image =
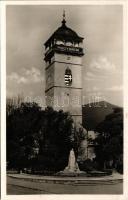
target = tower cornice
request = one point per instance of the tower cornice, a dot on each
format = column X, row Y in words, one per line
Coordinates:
column 63, row 49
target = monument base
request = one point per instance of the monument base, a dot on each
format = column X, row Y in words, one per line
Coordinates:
column 72, row 169
column 71, row 174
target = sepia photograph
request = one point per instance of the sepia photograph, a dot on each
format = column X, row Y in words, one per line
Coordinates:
column 64, row 99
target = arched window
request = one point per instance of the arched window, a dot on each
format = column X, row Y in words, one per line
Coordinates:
column 68, row 77
column 59, row 42
column 68, row 44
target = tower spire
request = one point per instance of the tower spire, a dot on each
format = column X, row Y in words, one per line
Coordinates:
column 63, row 21
column 63, row 14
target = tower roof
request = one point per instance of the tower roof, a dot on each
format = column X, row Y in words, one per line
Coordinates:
column 65, row 33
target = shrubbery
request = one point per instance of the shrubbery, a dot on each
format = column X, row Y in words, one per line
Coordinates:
column 38, row 139
column 109, row 143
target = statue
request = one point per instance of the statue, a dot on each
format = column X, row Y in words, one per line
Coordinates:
column 78, row 134
column 72, row 164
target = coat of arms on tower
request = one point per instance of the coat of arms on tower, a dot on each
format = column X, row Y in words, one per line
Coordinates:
column 68, row 77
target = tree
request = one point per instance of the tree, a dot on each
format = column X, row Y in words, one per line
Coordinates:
column 22, row 127
column 109, row 143
column 13, row 103
column 78, row 135
column 38, row 138
column 56, row 144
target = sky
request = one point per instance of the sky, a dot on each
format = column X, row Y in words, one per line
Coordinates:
column 29, row 26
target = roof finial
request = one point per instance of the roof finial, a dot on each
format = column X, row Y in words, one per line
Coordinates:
column 63, row 14
column 63, row 21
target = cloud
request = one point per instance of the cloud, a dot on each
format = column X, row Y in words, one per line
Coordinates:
column 15, row 77
column 115, row 88
column 33, row 74
column 103, row 64
column 93, row 89
column 90, row 76
column 100, row 69
column 26, row 76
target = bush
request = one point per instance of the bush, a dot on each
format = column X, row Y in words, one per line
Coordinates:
column 87, row 165
column 108, row 171
column 119, row 167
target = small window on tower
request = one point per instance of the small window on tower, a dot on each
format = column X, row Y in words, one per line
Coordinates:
column 68, row 58
column 68, row 77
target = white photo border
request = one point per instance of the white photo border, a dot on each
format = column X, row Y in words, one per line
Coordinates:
column 4, row 196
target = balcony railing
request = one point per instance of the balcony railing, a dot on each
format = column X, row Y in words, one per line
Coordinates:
column 65, row 49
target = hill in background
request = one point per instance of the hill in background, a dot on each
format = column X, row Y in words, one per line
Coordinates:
column 94, row 113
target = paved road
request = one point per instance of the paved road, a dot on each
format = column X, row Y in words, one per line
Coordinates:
column 11, row 189
column 16, row 186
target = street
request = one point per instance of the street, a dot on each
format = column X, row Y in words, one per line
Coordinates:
column 20, row 186
column 11, row 189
